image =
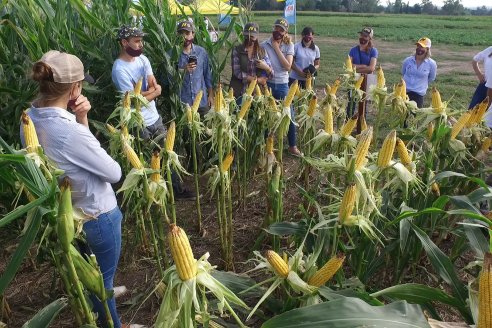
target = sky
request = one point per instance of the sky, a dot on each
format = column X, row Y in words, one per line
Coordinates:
column 473, row 4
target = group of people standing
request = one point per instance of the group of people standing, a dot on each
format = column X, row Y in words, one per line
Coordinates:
column 59, row 113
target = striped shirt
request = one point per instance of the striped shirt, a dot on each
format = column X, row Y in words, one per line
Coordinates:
column 75, row 150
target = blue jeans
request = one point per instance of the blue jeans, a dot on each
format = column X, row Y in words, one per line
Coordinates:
column 104, row 240
column 279, row 92
column 479, row 95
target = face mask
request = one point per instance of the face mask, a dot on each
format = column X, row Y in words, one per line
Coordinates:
column 363, row 41
column 187, row 42
column 307, row 39
column 420, row 52
column 277, row 35
column 133, row 52
column 71, row 102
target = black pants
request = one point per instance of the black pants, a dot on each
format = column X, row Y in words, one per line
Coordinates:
column 417, row 98
column 301, row 83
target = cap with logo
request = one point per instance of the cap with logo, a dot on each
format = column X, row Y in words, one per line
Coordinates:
column 185, row 25
column 282, row 22
column 368, row 31
column 424, row 42
column 66, row 68
column 251, row 29
column 126, row 32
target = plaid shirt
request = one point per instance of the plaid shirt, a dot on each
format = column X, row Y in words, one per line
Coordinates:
column 236, row 66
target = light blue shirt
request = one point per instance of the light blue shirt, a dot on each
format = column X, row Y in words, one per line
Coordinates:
column 303, row 57
column 418, row 78
column 126, row 74
column 281, row 75
column 74, row 149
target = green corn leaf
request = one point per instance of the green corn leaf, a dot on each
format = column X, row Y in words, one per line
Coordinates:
column 46, row 315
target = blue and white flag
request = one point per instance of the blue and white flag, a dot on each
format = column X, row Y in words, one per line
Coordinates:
column 290, row 11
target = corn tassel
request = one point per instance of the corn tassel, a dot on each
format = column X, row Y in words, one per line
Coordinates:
column 88, row 275
column 30, row 136
column 485, row 293
column 313, row 103
column 65, row 226
column 244, row 107
column 348, row 64
column 328, row 118
column 460, row 124
column 277, row 262
column 387, row 149
column 349, row 126
column 171, row 135
column 381, row 81
column 226, row 163
column 196, row 101
column 487, row 142
column 358, row 83
column 269, row 145
column 251, row 87
column 155, row 164
column 402, row 150
column 362, row 148
column 435, row 189
column 334, row 87
column 290, row 95
column 189, row 113
column 182, row 253
column 436, row 101
column 348, row 203
column 327, row 271
column 309, row 81
column 132, row 156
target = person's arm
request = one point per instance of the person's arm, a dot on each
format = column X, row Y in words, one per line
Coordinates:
column 478, row 72
column 80, row 110
column 432, row 72
column 236, row 65
column 317, row 57
column 285, row 61
column 297, row 69
column 207, row 77
column 154, row 89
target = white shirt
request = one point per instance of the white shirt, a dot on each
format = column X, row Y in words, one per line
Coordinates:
column 74, row 149
column 484, row 57
column 303, row 57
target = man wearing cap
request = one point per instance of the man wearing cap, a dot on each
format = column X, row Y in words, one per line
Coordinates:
column 280, row 50
column 249, row 61
column 194, row 61
column 418, row 71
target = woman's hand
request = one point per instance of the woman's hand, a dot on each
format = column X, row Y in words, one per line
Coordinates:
column 261, row 80
column 481, row 77
column 261, row 64
column 80, row 109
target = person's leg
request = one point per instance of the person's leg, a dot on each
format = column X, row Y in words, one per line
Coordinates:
column 291, row 80
column 103, row 237
column 302, row 84
column 419, row 100
column 479, row 95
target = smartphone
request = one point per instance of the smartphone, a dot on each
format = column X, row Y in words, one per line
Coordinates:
column 192, row 59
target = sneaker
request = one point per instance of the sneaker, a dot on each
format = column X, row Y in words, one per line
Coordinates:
column 294, row 151
column 185, row 195
column 119, row 291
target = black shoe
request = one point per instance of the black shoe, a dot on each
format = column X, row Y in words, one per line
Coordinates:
column 185, row 195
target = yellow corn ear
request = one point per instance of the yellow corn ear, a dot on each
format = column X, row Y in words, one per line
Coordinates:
column 155, row 164
column 485, row 293
column 313, row 103
column 290, row 95
column 473, row 117
column 430, row 130
column 30, row 136
column 171, row 135
column 358, row 83
column 482, row 108
column 277, row 262
column 219, row 99
column 348, row 64
column 251, row 87
column 403, row 88
column 266, row 91
column 258, row 91
column 64, row 225
column 189, row 113
column 460, row 124
column 334, row 87
column 309, row 81
column 245, row 106
column 349, row 126
column 111, row 128
column 138, row 87
column 487, row 142
column 436, row 101
column 127, row 102
column 403, row 153
column 230, row 94
column 269, row 144
column 226, row 163
column 196, row 101
column 327, row 89
column 124, row 132
column 88, row 275
column 435, row 189
column 387, row 149
column 381, row 81
column 363, row 123
column 132, row 156
column 328, row 270
column 182, row 253
column 328, row 118
column 348, row 202
column 362, row 148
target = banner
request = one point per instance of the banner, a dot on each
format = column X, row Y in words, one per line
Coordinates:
column 290, row 11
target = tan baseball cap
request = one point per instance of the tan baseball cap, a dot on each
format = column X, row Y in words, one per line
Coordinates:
column 424, row 42
column 66, row 68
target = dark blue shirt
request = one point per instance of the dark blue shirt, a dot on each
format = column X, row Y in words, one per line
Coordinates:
column 360, row 57
column 199, row 79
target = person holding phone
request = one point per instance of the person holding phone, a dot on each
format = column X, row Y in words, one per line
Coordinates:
column 306, row 58
column 249, row 61
column 194, row 62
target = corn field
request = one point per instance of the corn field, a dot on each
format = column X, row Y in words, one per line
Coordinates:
column 383, row 197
